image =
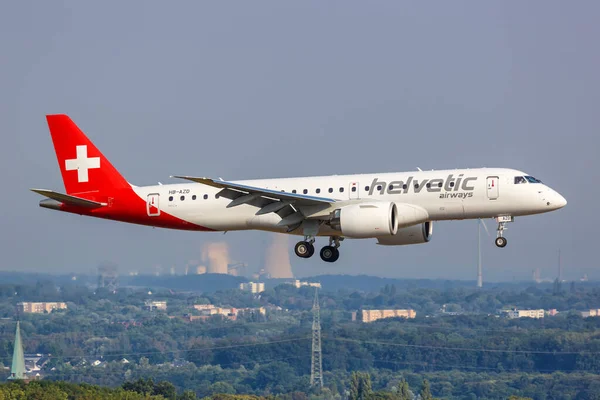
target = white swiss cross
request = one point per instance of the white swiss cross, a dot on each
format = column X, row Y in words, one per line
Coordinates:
column 82, row 164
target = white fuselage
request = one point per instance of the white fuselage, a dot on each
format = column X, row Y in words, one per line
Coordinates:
column 444, row 194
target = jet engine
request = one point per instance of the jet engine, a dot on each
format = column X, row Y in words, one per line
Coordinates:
column 420, row 233
column 366, row 220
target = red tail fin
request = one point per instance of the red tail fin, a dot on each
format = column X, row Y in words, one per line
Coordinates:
column 82, row 165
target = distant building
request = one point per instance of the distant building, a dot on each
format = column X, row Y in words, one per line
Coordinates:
column 40, row 308
column 253, row 287
column 17, row 370
column 552, row 312
column 155, row 305
column 231, row 313
column 374, row 315
column 35, row 362
column 591, row 313
column 298, row 284
column 203, row 306
column 525, row 313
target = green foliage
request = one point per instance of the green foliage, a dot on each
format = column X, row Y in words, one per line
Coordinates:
column 147, row 387
column 46, row 390
column 270, row 356
column 426, row 391
column 360, row 386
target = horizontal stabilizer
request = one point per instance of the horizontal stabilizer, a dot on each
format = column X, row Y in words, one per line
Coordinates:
column 68, row 199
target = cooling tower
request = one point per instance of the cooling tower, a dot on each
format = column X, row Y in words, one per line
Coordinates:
column 277, row 260
column 201, row 269
column 216, row 256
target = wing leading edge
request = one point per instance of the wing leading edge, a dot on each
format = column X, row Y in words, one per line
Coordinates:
column 286, row 205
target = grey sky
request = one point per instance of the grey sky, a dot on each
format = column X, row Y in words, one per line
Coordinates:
column 270, row 89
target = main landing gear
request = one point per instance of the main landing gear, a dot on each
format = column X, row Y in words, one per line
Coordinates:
column 305, row 248
column 330, row 253
column 500, row 239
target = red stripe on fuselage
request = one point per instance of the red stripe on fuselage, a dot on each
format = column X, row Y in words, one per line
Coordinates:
column 126, row 206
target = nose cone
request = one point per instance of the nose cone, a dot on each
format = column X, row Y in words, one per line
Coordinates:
column 560, row 201
column 555, row 201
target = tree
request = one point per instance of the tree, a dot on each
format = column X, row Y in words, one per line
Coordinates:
column 404, row 390
column 360, row 386
column 141, row 386
column 166, row 390
column 187, row 395
column 426, row 391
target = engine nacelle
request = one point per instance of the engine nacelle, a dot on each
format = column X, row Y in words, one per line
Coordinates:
column 366, row 220
column 420, row 233
column 410, row 214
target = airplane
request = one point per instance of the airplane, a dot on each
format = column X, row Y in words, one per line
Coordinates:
column 392, row 208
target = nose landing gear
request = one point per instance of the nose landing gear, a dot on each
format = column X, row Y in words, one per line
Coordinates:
column 500, row 239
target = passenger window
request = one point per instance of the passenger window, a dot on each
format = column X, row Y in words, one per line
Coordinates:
column 440, row 184
column 305, row 191
column 416, row 185
column 294, row 191
column 391, row 187
column 451, row 184
column 330, row 190
column 428, row 185
column 341, row 189
column 182, row 198
column 318, row 190
column 194, row 197
column 354, row 188
column 379, row 187
column 170, row 198
column 405, row 186
column 205, row 196
column 366, row 188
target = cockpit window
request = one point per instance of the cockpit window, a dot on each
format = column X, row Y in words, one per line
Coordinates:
column 531, row 179
column 519, row 179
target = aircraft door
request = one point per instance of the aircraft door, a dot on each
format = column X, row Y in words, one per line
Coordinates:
column 353, row 189
column 152, row 205
column 492, row 187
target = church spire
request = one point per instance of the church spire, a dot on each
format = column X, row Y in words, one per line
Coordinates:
column 17, row 371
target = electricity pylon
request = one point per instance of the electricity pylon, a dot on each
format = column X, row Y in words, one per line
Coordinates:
column 316, row 368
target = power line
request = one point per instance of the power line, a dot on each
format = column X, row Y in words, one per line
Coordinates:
column 483, row 350
column 180, row 351
column 101, row 372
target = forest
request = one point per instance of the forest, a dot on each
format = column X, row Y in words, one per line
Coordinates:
column 472, row 352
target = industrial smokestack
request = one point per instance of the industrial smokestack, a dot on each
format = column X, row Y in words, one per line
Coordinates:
column 216, row 256
column 277, row 260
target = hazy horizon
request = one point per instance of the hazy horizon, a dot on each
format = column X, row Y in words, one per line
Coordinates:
column 269, row 89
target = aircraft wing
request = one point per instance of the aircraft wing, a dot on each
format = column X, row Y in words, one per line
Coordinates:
column 286, row 205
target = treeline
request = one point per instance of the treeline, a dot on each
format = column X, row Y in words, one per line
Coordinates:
column 376, row 385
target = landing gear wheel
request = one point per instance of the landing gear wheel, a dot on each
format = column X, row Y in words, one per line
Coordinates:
column 329, row 254
column 501, row 241
column 304, row 249
column 311, row 249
